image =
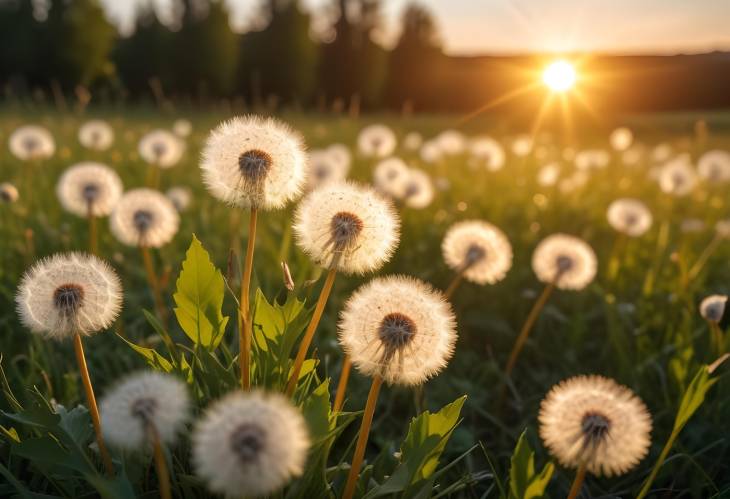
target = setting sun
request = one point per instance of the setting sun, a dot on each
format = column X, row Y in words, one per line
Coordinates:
column 559, row 76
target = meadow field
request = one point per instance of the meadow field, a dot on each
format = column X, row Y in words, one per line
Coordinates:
column 471, row 430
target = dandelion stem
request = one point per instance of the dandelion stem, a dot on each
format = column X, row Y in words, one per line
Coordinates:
column 578, row 482
column 93, row 244
column 455, row 282
column 362, row 439
column 309, row 334
column 529, row 323
column 153, row 282
column 342, row 384
column 163, row 475
column 244, row 322
column 703, row 258
column 91, row 400
column 717, row 338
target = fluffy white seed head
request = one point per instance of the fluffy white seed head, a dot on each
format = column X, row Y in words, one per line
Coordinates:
column 549, row 174
column 348, row 226
column 142, row 402
column 341, row 155
column 89, row 188
column 592, row 159
column 712, row 308
column 376, row 141
column 677, row 177
column 69, row 293
column 479, row 250
column 180, row 196
column 31, row 142
column 250, row 444
column 413, row 141
column 144, row 217
column 8, row 193
column 488, row 152
column 182, row 128
column 431, row 152
column 566, row 260
column 629, row 216
column 325, row 168
column 621, row 139
column 522, row 146
column 398, row 328
column 451, row 142
column 593, row 421
column 254, row 162
column 161, row 148
column 714, row 166
column 418, row 191
column 97, row 135
column 390, row 176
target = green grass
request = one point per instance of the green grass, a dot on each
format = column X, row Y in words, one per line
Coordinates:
column 652, row 342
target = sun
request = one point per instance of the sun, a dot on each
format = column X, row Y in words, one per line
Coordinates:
column 559, row 76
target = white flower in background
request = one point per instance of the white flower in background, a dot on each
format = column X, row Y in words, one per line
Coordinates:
column 413, row 141
column 418, row 191
column 8, row 193
column 144, row 217
column 712, row 308
column 324, row 168
column 621, row 139
column 431, row 152
column 548, row 174
column 68, row 294
column 661, row 153
column 566, row 260
column 182, row 128
column 522, row 146
column 161, row 148
column 376, row 141
column 633, row 155
column 96, row 135
column 479, row 250
column 180, row 196
column 89, row 188
column 254, row 162
column 714, row 166
column 577, row 180
column 31, row 142
column 398, row 328
column 390, row 176
column 341, row 155
column 347, row 225
column 451, row 142
column 489, row 152
column 677, row 177
column 629, row 216
column 250, row 444
column 593, row 421
column 141, row 400
column 592, row 159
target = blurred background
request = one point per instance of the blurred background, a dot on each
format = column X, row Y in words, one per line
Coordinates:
column 351, row 56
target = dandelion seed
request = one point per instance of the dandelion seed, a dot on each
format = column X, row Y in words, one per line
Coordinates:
column 69, row 294
column 141, row 400
column 347, row 227
column 144, row 218
column 250, row 444
column 629, row 216
column 376, row 141
column 89, row 189
column 677, row 177
column 621, row 139
column 566, row 261
column 714, row 166
column 595, row 423
column 31, row 142
column 252, row 162
column 8, row 193
column 478, row 250
column 712, row 308
column 161, row 148
column 488, row 152
column 97, row 135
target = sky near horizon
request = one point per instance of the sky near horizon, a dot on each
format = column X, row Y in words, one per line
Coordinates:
column 516, row 26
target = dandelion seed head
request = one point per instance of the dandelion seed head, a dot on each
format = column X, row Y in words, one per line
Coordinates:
column 31, row 142
column 161, row 148
column 621, row 139
column 451, row 142
column 677, row 177
column 431, row 152
column 418, row 191
column 712, row 308
column 250, row 444
column 254, row 162
column 89, row 187
column 8, row 193
column 479, row 250
column 69, row 293
column 348, row 226
column 340, row 154
column 398, row 328
column 376, row 141
column 142, row 399
column 488, row 152
column 592, row 159
column 714, row 166
column 96, row 135
column 180, row 196
column 629, row 216
column 566, row 260
column 593, row 421
column 549, row 175
column 390, row 176
column 522, row 146
column 326, row 167
column 182, row 128
column 144, row 217
column 413, row 141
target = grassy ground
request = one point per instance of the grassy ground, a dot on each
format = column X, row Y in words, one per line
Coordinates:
column 652, row 340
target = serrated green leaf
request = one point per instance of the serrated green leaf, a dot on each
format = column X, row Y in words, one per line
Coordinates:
column 524, row 483
column 153, row 357
column 199, row 298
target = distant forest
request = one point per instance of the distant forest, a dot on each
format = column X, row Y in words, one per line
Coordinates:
column 52, row 48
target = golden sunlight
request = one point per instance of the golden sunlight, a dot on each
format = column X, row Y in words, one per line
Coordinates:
column 559, row 76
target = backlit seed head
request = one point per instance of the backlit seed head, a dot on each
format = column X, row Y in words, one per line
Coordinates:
column 161, row 148
column 714, row 166
column 180, row 196
column 629, row 216
column 621, row 139
column 488, row 152
column 376, row 141
column 8, row 193
column 677, row 177
column 565, row 260
column 390, row 177
column 712, row 308
column 97, row 135
column 479, row 250
column 418, row 191
column 89, row 188
column 144, row 217
column 31, row 142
